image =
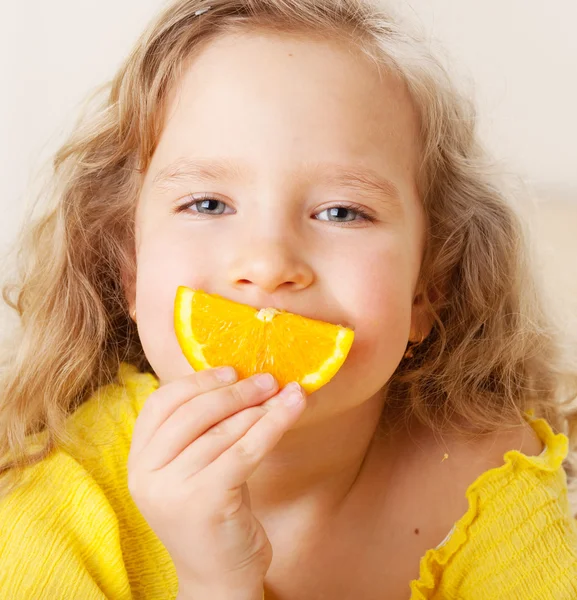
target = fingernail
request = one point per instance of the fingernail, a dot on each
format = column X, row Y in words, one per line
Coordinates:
column 292, row 394
column 226, row 374
column 265, row 381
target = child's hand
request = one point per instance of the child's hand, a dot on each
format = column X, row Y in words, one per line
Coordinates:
column 195, row 443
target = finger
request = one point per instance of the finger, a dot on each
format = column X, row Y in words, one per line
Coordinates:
column 234, row 466
column 212, row 443
column 193, row 418
column 162, row 403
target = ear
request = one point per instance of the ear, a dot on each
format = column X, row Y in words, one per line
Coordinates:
column 422, row 319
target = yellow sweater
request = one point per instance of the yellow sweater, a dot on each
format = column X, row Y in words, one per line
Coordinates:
column 73, row 532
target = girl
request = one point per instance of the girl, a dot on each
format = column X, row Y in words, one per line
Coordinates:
column 309, row 156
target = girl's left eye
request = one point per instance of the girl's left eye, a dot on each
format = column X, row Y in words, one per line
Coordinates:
column 342, row 214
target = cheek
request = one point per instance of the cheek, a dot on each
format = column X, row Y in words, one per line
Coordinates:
column 380, row 295
column 164, row 262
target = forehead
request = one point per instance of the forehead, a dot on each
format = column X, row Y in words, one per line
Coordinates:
column 292, row 77
column 286, row 99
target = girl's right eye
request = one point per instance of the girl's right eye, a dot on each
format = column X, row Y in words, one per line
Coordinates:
column 204, row 206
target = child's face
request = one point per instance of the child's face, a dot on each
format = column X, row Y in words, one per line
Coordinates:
column 284, row 118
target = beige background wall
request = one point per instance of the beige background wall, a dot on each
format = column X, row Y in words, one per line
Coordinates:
column 522, row 58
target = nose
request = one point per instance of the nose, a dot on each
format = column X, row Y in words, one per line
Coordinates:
column 270, row 266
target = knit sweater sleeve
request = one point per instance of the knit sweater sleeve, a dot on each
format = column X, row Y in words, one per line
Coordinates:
column 60, row 537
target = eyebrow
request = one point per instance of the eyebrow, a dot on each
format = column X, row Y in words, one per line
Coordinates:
column 354, row 177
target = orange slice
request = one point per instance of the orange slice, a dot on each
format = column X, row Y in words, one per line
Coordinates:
column 213, row 331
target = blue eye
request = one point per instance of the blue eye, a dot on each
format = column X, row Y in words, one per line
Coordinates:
column 338, row 214
column 209, row 206
column 203, row 206
column 345, row 214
